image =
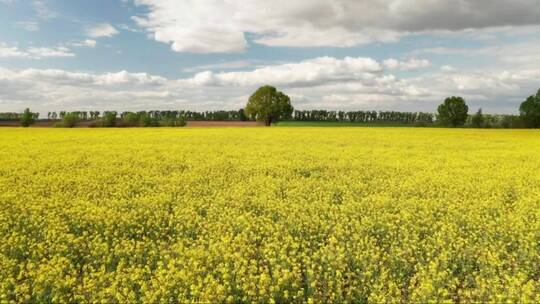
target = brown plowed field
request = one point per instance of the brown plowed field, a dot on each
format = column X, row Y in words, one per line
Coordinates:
column 38, row 124
column 223, row 124
column 191, row 124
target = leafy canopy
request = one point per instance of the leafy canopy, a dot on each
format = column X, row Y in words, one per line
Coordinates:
column 478, row 119
column 27, row 118
column 269, row 105
column 70, row 120
column 530, row 111
column 453, row 112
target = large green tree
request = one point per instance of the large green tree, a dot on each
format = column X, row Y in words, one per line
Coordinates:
column 27, row 118
column 530, row 111
column 269, row 105
column 453, row 112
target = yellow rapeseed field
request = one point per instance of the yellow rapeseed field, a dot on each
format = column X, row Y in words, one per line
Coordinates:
column 269, row 215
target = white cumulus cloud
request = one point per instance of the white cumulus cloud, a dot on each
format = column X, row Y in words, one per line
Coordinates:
column 209, row 26
column 101, row 30
column 7, row 51
column 349, row 83
column 406, row 65
column 85, row 43
column 305, row 73
column 31, row 26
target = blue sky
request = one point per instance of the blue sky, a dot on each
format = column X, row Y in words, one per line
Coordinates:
column 208, row 54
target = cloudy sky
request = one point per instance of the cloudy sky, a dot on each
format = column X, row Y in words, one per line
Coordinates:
column 211, row 54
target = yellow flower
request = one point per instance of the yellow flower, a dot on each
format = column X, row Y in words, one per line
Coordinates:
column 269, row 215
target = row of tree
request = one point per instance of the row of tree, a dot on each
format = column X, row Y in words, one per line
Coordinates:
column 480, row 120
column 240, row 115
column 454, row 112
column 156, row 114
column 364, row 116
column 269, row 106
column 111, row 119
column 12, row 116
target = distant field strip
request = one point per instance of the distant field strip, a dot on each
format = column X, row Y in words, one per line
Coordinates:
column 269, row 215
column 340, row 124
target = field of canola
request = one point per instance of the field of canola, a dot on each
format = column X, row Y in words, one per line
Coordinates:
column 269, row 215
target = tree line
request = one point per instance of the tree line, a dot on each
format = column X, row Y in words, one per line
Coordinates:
column 155, row 114
column 364, row 116
column 454, row 112
column 12, row 116
column 239, row 115
column 110, row 119
column 269, row 106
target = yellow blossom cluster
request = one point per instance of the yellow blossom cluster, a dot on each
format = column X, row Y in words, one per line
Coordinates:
column 271, row 215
